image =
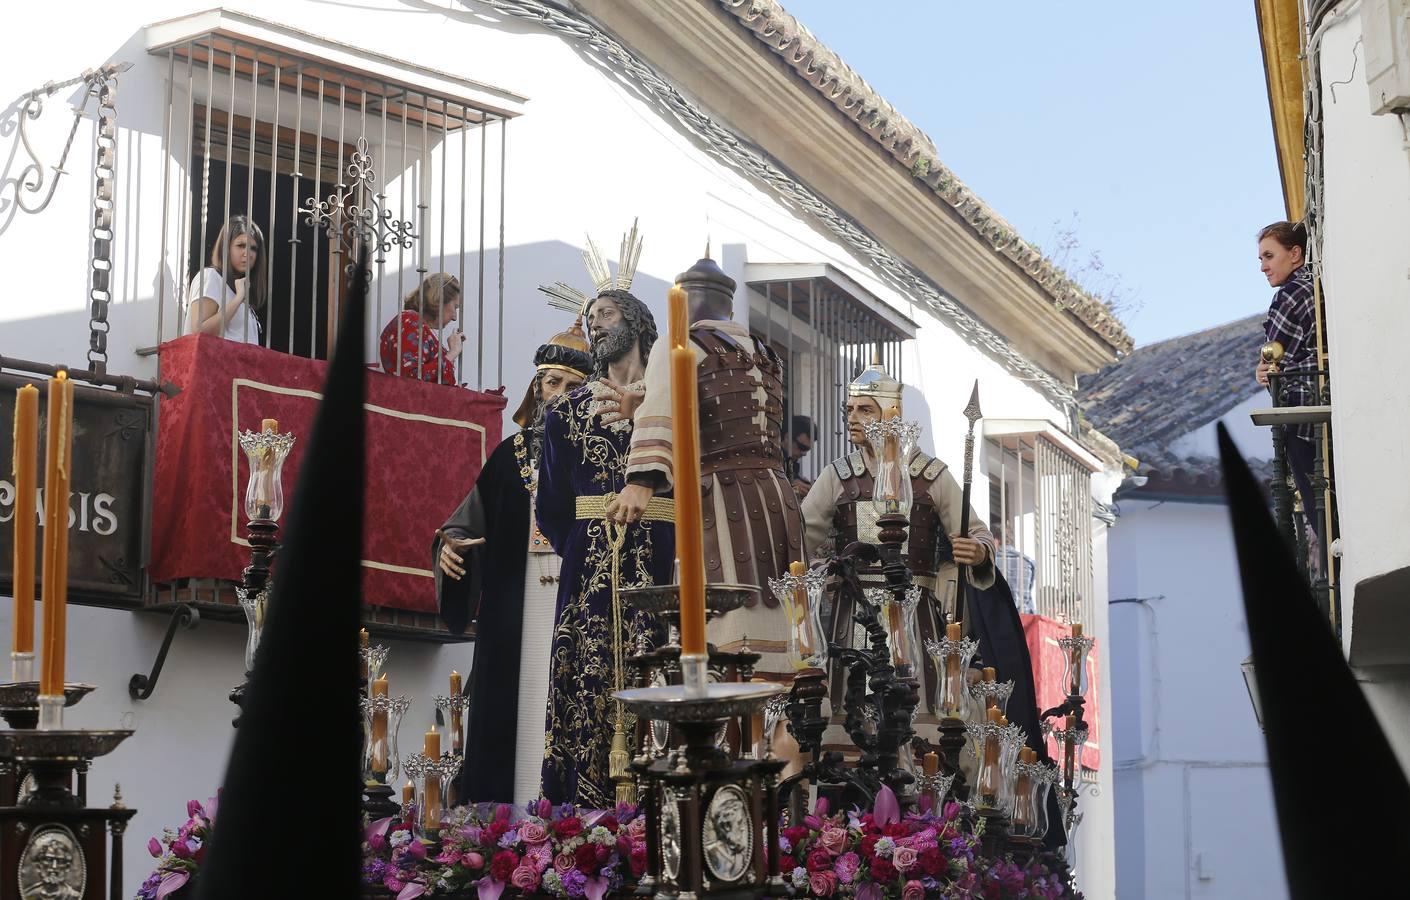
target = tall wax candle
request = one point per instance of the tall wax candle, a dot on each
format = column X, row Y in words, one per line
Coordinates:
column 57, row 452
column 455, row 719
column 685, row 465
column 1076, row 686
column 379, row 728
column 26, row 472
column 431, row 792
column 362, row 643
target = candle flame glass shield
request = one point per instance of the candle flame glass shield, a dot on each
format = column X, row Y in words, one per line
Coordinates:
column 1074, row 654
column 894, row 443
column 937, row 786
column 1029, row 814
column 802, row 597
column 1072, row 742
column 1000, row 691
column 254, row 608
column 1011, row 740
column 453, row 715
column 381, row 722
column 265, row 452
column 951, row 663
column 898, row 617
column 988, row 780
column 374, row 658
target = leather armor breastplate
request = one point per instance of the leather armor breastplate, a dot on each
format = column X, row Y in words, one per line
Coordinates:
column 741, row 404
column 855, row 518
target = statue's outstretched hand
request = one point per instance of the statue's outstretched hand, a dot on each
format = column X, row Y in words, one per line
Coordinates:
column 451, row 559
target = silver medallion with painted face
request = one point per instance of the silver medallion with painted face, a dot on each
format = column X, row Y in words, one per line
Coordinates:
column 729, row 834
column 670, row 835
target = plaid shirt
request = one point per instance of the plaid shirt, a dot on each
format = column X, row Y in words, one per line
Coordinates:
column 1292, row 322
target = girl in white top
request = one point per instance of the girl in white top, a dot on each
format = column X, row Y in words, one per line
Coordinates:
column 225, row 297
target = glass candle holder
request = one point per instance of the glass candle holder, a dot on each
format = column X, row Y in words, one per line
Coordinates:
column 988, row 780
column 898, row 617
column 254, row 608
column 265, row 451
column 894, row 443
column 998, row 691
column 1044, row 779
column 1011, row 740
column 802, row 598
column 1072, row 742
column 453, row 714
column 373, row 658
column 952, row 656
column 381, row 723
column 415, row 767
column 1074, row 655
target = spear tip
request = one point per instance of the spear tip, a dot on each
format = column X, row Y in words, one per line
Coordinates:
column 971, row 410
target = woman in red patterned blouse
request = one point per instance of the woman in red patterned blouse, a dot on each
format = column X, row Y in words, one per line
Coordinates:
column 409, row 345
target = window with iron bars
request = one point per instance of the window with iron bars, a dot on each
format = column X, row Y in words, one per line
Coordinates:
column 826, row 335
column 327, row 161
column 1040, row 512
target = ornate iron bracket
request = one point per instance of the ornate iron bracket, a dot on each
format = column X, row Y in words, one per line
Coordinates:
column 354, row 212
column 140, row 687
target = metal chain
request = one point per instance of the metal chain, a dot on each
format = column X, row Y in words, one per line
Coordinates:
column 104, row 172
column 726, row 147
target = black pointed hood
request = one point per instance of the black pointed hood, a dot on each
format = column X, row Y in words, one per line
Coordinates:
column 289, row 818
column 1336, row 782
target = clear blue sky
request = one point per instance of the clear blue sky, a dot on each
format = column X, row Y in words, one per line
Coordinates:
column 1148, row 120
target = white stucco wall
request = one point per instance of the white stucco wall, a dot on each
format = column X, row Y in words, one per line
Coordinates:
column 1366, row 276
column 589, row 154
column 1194, row 806
column 1253, row 441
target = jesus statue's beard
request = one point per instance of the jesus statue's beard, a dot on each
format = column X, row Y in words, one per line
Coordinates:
column 613, row 345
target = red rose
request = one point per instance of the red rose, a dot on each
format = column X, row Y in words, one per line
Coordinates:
column 933, row 862
column 819, row 861
column 609, row 822
column 638, row 861
column 896, row 830
column 868, row 846
column 796, row 834
column 570, row 827
column 882, row 871
column 503, row 865
column 585, row 858
column 786, row 863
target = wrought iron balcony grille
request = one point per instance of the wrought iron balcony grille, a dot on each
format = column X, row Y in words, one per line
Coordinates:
column 1040, row 511
column 328, row 149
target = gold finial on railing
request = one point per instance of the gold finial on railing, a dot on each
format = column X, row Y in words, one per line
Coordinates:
column 1272, row 353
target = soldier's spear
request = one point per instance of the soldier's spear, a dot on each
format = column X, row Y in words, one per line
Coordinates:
column 972, row 413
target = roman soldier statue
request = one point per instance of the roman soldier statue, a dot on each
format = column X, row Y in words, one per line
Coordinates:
column 493, row 565
column 838, row 511
column 752, row 526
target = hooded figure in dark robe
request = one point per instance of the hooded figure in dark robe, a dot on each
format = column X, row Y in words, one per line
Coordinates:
column 493, row 566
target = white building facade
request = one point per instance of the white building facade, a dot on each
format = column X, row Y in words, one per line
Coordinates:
column 532, row 132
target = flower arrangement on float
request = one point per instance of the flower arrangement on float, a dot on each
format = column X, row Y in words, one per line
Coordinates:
column 492, row 849
column 180, row 852
column 496, row 850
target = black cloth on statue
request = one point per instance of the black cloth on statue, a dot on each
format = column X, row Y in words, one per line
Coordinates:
column 995, row 623
column 494, row 571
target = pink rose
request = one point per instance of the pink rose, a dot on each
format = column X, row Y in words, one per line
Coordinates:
column 532, row 833
column 525, row 878
column 847, row 866
column 833, row 840
column 913, row 890
column 564, row 861
column 473, row 861
column 903, row 858
column 822, row 884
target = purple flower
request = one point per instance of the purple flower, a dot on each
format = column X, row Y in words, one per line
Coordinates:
column 181, row 849
column 154, row 847
column 510, row 838
column 148, row 890
column 193, row 809
column 574, row 882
